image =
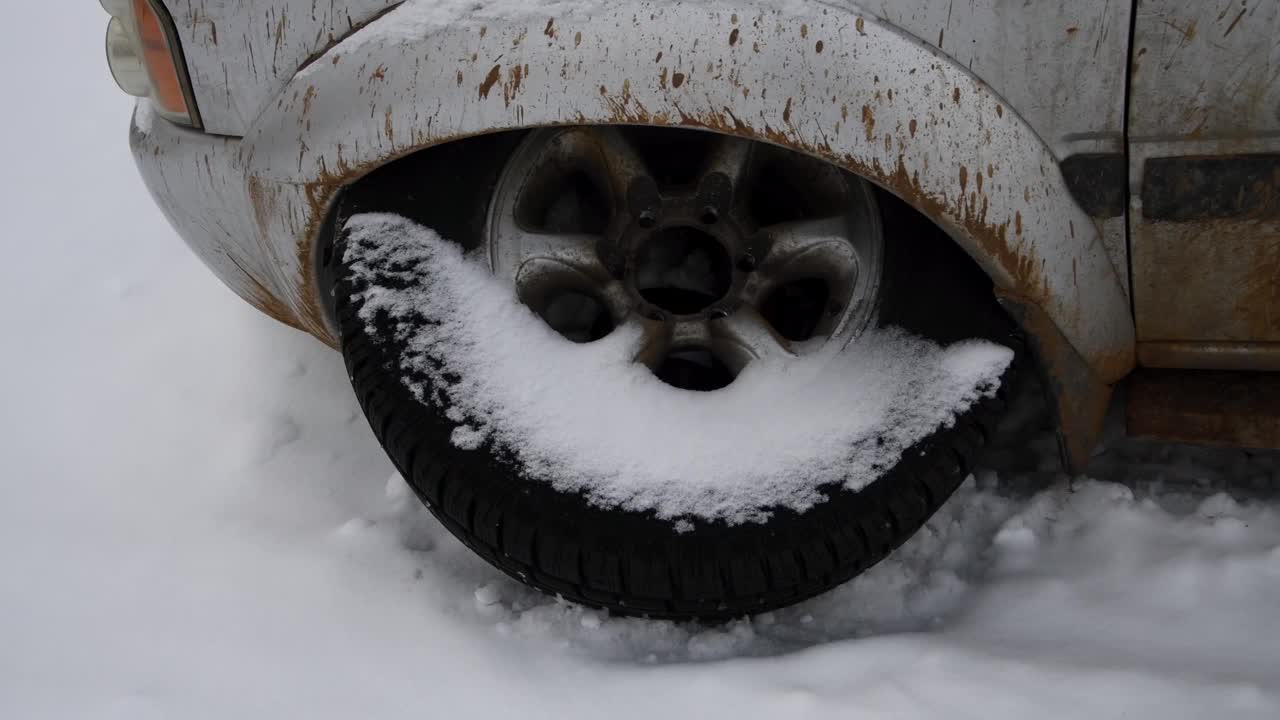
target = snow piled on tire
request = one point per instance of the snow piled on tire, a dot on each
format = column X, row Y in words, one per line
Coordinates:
column 588, row 419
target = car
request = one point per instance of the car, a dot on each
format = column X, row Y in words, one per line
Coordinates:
column 1094, row 185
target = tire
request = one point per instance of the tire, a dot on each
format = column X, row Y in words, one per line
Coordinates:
column 634, row 563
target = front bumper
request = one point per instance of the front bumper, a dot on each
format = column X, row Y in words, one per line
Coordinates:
column 202, row 185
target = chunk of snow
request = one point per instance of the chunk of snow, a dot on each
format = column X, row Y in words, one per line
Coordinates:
column 588, row 419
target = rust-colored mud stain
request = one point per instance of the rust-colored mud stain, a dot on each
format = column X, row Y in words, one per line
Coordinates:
column 550, row 29
column 786, row 112
column 511, row 87
column 577, row 39
column 860, row 25
column 911, row 126
column 733, row 37
column 999, row 110
column 263, row 299
column 263, row 199
column 677, row 79
column 964, row 179
column 662, row 79
column 264, row 203
column 1259, row 298
column 490, row 80
column 307, row 98
column 818, row 47
column 804, row 31
column 955, row 96
column 869, row 122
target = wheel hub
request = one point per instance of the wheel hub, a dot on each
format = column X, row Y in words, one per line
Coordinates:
column 680, row 270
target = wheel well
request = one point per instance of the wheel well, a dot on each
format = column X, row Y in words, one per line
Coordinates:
column 950, row 298
column 935, row 260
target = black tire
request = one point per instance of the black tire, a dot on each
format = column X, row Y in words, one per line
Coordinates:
column 635, row 563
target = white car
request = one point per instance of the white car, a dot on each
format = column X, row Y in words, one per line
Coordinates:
column 1092, row 184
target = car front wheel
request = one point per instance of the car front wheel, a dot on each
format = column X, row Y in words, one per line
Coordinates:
column 717, row 253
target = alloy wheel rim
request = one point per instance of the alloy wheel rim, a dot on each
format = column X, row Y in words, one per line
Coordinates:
column 720, row 251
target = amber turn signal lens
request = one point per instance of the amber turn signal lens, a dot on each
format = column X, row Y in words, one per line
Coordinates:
column 158, row 57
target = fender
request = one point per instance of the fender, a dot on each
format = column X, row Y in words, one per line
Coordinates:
column 824, row 80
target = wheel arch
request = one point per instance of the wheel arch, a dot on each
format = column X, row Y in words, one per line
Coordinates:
column 818, row 79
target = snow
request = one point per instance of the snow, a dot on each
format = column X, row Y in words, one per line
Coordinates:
column 586, row 418
column 194, row 522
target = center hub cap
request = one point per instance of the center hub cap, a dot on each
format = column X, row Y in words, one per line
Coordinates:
column 681, row 270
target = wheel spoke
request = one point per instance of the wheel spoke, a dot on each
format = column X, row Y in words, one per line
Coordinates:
column 655, row 339
column 576, row 250
column 620, row 162
column 615, row 297
column 819, row 248
column 745, row 336
column 691, row 333
column 552, row 263
column 731, row 157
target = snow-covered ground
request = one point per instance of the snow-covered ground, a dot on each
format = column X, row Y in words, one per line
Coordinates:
column 195, row 522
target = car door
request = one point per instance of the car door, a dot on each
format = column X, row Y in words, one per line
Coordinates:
column 1204, row 162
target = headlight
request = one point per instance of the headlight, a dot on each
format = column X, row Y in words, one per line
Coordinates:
column 146, row 60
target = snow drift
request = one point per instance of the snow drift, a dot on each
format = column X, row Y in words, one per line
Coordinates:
column 588, row 419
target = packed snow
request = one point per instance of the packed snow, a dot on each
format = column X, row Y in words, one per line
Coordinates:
column 587, row 418
column 195, row 522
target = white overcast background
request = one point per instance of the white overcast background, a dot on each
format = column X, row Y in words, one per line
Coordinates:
column 195, row 521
